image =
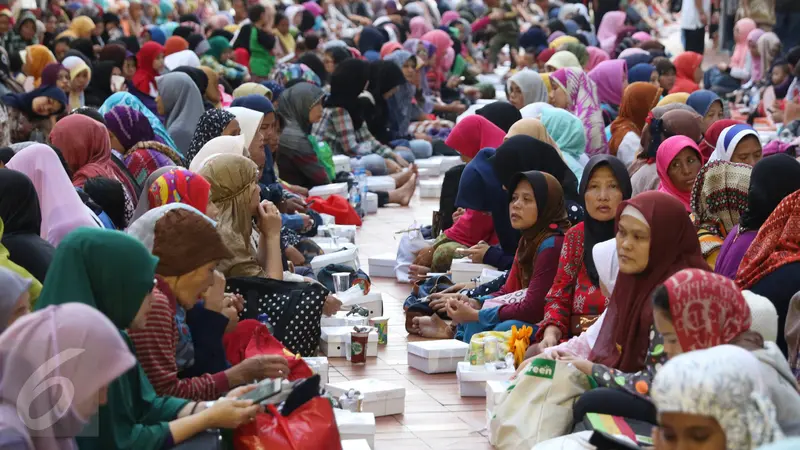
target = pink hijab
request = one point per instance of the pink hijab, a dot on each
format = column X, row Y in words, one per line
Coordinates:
column 449, row 17
column 610, row 25
column 642, row 36
column 474, row 133
column 584, row 104
column 667, row 151
column 596, row 56
column 740, row 32
column 756, row 71
column 442, row 42
column 62, row 209
column 608, row 76
column 77, row 338
column 419, row 26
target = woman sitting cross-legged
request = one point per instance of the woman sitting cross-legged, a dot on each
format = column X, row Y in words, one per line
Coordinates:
column 536, row 208
column 188, row 248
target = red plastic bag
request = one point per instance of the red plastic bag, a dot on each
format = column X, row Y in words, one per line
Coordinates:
column 337, row 207
column 252, row 338
column 310, row 427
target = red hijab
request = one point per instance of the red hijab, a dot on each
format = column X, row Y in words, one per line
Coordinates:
column 86, row 148
column 625, row 335
column 707, row 309
column 685, row 65
column 474, row 133
column 712, row 134
column 777, row 244
column 145, row 73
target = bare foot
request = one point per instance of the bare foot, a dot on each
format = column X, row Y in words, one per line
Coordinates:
column 400, row 178
column 432, row 327
column 403, row 195
column 414, row 169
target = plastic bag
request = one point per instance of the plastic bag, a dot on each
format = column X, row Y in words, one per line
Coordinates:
column 410, row 244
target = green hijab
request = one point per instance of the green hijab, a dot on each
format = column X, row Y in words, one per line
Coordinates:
column 113, row 272
column 218, row 45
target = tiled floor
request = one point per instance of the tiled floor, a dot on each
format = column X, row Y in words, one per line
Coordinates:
column 435, row 416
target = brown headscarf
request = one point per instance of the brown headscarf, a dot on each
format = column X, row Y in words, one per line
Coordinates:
column 535, row 129
column 212, row 91
column 637, row 101
column 552, row 220
column 625, row 335
column 232, row 179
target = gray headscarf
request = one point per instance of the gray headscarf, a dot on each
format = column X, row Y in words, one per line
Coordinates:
column 295, row 105
column 144, row 200
column 404, row 95
column 531, row 84
column 183, row 105
column 13, row 286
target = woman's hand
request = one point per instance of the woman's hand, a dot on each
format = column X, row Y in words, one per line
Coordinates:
column 332, row 305
column 257, row 368
column 476, row 252
column 461, row 312
column 458, row 213
column 579, row 363
column 240, row 391
column 229, row 414
column 416, row 272
column 214, row 296
column 269, row 219
column 552, row 334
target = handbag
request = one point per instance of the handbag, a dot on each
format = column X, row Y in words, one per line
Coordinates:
column 207, row 440
column 538, row 406
column 294, row 309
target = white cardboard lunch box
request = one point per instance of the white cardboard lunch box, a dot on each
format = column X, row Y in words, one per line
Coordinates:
column 335, row 341
column 472, row 379
column 440, row 356
column 372, row 301
column 341, row 163
column 380, row 397
column 430, row 188
column 448, row 162
column 488, row 275
column 327, row 219
column 495, row 394
column 318, row 364
column 355, row 444
column 433, row 165
column 356, row 426
column 371, row 205
column 332, row 245
column 341, row 319
column 426, row 173
column 381, row 183
column 343, row 232
column 383, row 265
column 326, row 190
column 463, row 270
column 348, row 257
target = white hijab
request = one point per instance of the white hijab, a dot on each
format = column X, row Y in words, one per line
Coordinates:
column 233, row 145
column 729, row 139
column 182, row 58
column 249, row 121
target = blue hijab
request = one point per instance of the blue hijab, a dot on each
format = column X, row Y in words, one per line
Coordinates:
column 638, row 58
column 263, row 105
column 534, row 38
column 702, row 100
column 481, row 190
column 641, row 72
column 276, row 89
column 24, row 101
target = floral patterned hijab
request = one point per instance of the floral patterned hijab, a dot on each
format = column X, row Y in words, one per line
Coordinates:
column 583, row 102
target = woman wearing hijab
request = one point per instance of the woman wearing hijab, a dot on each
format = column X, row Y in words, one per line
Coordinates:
column 301, row 107
column 567, row 132
column 738, row 144
column 707, row 104
column 213, row 123
column 597, row 56
column 562, row 59
column 334, row 56
column 14, row 299
column 218, row 58
column 678, row 162
column 114, row 273
column 127, row 99
column 251, row 123
column 535, row 129
column 688, row 72
column 144, row 201
column 575, row 92
column 769, row 47
column 725, row 78
column 655, row 239
column 133, row 138
column 770, row 265
column 575, row 300
column 61, row 208
column 36, row 58
column 718, row 392
column 643, row 72
column 231, row 145
column 164, row 344
column 542, row 229
column 473, row 134
column 719, row 198
column 149, row 63
column 99, row 88
column 526, row 87
column 712, row 134
column 234, row 192
column 626, row 129
column 683, row 306
column 180, row 102
column 438, row 67
column 771, row 180
column 21, row 216
column 79, row 76
column 611, row 79
column 670, row 99
column 44, row 336
column 609, row 24
column 501, row 114
column 26, row 116
column 175, row 44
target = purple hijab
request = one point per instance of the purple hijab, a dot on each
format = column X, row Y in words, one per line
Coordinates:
column 86, row 350
column 555, row 35
column 129, row 126
column 584, row 104
column 732, row 252
column 609, row 76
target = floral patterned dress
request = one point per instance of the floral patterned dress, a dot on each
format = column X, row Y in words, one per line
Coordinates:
column 637, row 383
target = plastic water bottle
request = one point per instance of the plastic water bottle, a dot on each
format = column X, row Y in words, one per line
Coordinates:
column 361, row 176
column 264, row 318
column 355, row 196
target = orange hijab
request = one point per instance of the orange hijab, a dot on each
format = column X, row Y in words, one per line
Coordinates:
column 637, row 101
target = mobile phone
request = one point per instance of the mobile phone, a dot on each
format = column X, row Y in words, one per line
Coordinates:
column 266, row 389
column 605, row 441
